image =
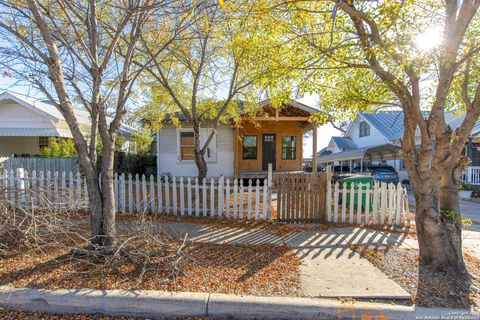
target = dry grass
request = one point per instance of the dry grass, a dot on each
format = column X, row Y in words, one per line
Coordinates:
column 427, row 286
column 50, row 250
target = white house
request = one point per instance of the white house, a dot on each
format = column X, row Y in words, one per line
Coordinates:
column 27, row 125
column 375, row 137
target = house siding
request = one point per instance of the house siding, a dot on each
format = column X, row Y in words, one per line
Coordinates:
column 169, row 164
column 375, row 137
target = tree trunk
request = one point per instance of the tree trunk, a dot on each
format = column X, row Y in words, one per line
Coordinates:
column 438, row 224
column 102, row 203
column 199, row 156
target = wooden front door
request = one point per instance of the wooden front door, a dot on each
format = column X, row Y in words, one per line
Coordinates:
column 268, row 151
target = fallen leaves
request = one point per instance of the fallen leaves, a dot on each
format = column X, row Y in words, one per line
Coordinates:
column 427, row 286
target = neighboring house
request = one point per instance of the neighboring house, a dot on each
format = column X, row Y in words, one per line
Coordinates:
column 239, row 150
column 27, row 125
column 375, row 138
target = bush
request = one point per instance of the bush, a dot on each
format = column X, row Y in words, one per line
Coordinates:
column 466, row 187
column 64, row 148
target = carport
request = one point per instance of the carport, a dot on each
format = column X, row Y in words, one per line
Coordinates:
column 381, row 152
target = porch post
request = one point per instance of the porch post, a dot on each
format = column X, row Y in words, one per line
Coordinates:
column 314, row 157
column 361, row 165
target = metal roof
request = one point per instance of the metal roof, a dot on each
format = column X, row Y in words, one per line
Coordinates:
column 390, row 123
column 35, row 132
column 344, row 143
column 374, row 153
column 48, row 110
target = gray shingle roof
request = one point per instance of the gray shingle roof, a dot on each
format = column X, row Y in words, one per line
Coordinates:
column 344, row 143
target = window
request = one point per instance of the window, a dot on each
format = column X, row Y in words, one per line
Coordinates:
column 43, row 142
column 364, row 129
column 250, row 147
column 187, row 145
column 289, row 148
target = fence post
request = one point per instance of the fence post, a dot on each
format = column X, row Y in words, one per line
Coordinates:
column 122, row 193
column 383, row 203
column 359, row 203
column 182, row 197
column 137, row 193
column 398, row 217
column 375, row 202
column 329, row 198
column 167, row 195
column 189, row 195
column 367, row 204
column 344, row 202
column 204, row 197
column 220, row 196
column 227, row 199
column 144, row 195
column 235, row 195
column 78, row 200
column 71, row 190
column 257, row 199
column 174, row 195
column 152, row 195
column 265, row 199
column 336, row 193
column 160, row 194
column 55, row 188
column 130, row 193
column 212, row 198
column 197, row 198
column 34, row 188
column 242, row 196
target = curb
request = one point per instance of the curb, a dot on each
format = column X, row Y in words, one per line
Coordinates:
column 156, row 304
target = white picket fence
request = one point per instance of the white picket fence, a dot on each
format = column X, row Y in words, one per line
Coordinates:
column 377, row 204
column 137, row 194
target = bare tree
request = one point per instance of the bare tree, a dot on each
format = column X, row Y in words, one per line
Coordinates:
column 201, row 75
column 81, row 53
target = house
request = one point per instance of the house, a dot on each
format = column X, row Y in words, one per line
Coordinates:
column 375, row 138
column 28, row 124
column 243, row 149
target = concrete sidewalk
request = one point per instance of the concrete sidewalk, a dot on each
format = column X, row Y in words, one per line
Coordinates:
column 159, row 304
column 329, row 268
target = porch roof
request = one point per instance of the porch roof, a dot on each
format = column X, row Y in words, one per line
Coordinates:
column 381, row 152
column 35, row 132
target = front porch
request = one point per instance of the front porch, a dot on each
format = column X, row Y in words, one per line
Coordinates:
column 471, row 175
column 273, row 136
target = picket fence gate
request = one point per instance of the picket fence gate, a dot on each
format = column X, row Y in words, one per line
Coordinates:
column 364, row 203
column 237, row 199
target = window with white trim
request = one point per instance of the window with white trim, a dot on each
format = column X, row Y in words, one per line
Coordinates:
column 364, row 129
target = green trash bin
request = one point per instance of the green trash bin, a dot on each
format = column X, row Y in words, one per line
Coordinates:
column 355, row 181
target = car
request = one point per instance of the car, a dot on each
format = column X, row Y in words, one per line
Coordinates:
column 382, row 173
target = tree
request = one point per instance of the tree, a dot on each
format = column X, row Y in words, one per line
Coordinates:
column 361, row 55
column 81, row 53
column 202, row 75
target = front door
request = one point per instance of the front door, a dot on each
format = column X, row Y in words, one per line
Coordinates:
column 268, row 151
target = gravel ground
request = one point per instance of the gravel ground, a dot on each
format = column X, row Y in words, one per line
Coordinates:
column 428, row 287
